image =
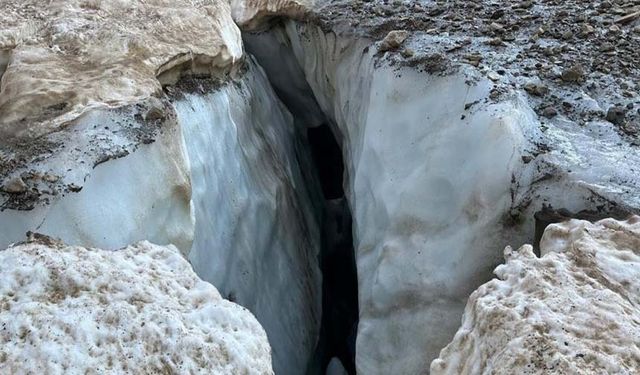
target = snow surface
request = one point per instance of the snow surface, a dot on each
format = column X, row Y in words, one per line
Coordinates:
column 69, row 56
column 574, row 310
column 141, row 309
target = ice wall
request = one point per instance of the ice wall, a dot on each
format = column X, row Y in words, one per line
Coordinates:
column 219, row 178
column 145, row 195
column 256, row 235
column 437, row 183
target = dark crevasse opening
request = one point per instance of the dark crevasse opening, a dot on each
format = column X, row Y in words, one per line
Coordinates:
column 337, row 261
column 328, row 161
column 319, row 150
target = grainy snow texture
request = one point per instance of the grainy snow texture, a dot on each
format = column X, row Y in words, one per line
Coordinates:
column 67, row 56
column 252, row 14
column 142, row 309
column 574, row 310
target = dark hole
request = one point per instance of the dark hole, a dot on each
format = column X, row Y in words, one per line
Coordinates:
column 327, row 157
column 340, row 282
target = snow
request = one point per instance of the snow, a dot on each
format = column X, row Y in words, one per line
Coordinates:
column 67, row 57
column 140, row 309
column 574, row 310
column 254, row 14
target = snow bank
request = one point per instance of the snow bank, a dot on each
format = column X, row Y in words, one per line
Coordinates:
column 140, row 309
column 67, row 57
column 251, row 14
column 574, row 310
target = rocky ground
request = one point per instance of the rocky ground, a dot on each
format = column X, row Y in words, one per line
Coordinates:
column 578, row 60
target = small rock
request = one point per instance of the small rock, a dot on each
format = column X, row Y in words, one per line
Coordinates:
column 393, row 40
column 586, row 29
column 155, row 110
column 495, row 42
column 567, row 35
column 536, row 89
column 15, row 186
column 617, row 115
column 607, row 47
column 496, row 27
column 497, row 14
column 573, row 74
column 50, row 178
column 74, row 188
column 407, row 52
column 549, row 112
column 493, row 76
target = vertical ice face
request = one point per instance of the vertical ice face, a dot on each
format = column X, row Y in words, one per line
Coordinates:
column 571, row 311
column 437, row 183
column 109, row 180
column 219, row 179
column 256, row 234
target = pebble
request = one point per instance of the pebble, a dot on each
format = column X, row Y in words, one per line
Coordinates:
column 393, row 40
column 536, row 89
column 549, row 112
column 15, row 186
column 617, row 115
column 573, row 74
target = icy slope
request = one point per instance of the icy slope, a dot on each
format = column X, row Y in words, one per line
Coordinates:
column 140, row 309
column 574, row 310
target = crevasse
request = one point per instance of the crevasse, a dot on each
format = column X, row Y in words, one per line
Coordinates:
column 435, row 178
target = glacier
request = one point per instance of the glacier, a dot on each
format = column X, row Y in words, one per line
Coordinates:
column 187, row 139
column 439, row 178
column 222, row 182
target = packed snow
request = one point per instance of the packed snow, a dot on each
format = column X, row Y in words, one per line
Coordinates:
column 253, row 14
column 66, row 57
column 574, row 310
column 141, row 309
